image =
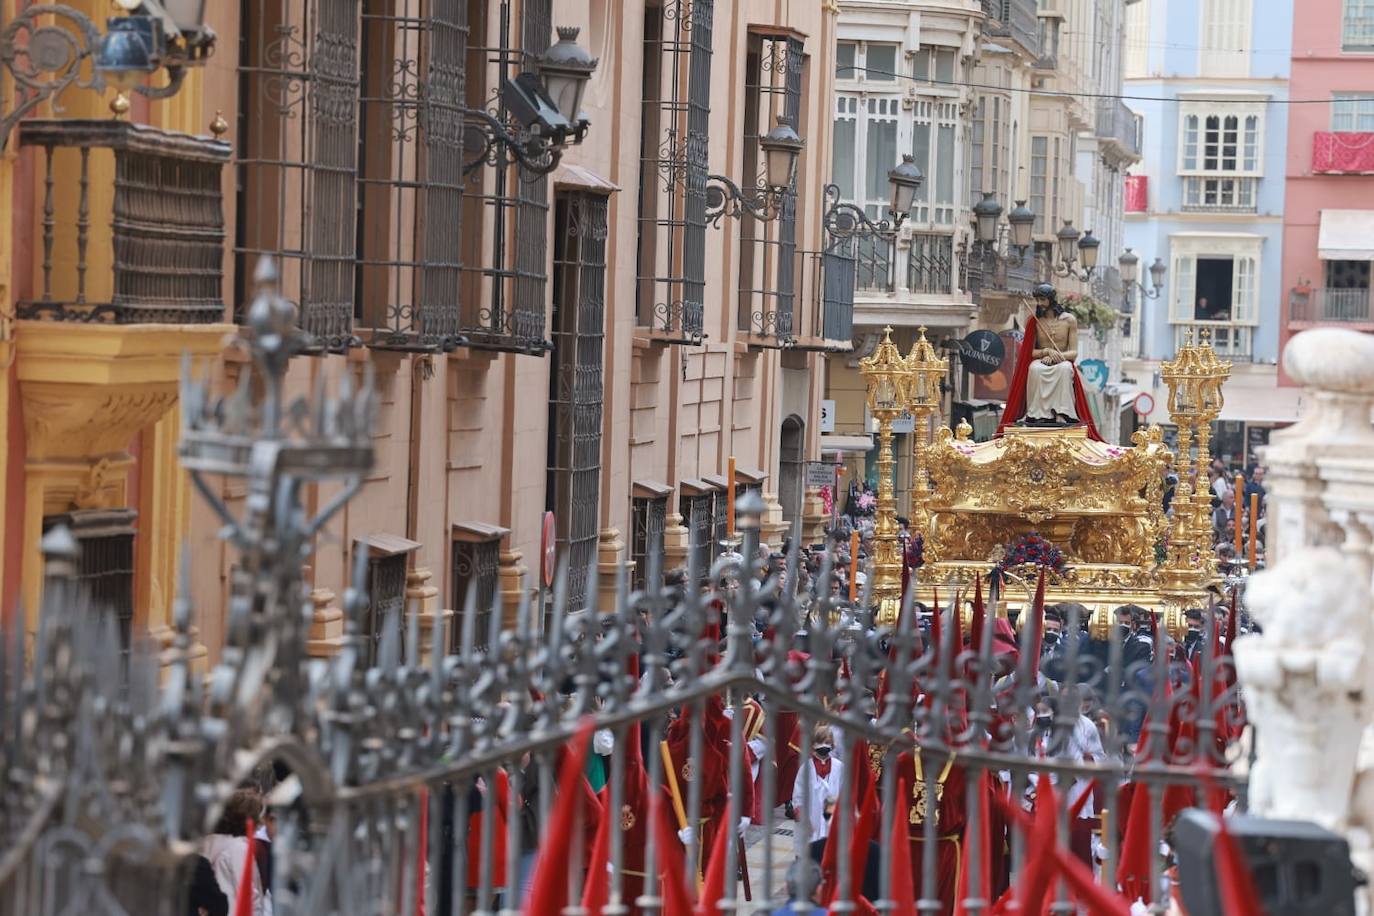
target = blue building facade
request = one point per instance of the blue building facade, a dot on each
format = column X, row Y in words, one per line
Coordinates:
column 1212, row 82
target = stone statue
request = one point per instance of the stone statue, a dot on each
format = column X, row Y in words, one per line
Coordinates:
column 1304, row 681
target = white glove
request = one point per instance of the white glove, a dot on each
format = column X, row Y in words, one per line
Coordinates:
column 744, row 823
column 728, row 712
column 686, row 835
column 602, row 742
column 758, row 746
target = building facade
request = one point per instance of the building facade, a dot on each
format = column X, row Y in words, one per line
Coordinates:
column 599, row 337
column 1209, row 82
column 1328, row 216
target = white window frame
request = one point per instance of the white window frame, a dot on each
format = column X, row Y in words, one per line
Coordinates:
column 1357, row 26
column 1359, row 105
column 1246, row 146
column 935, row 112
column 861, row 76
column 1225, row 31
column 1245, row 252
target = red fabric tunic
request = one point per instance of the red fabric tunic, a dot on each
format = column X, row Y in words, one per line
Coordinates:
column 499, row 808
column 713, row 773
column 950, row 818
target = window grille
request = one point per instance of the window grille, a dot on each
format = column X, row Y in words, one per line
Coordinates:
column 671, row 274
column 387, row 565
column 105, row 562
column 930, row 263
column 768, row 250
column 575, row 383
column 475, row 560
column 297, row 157
column 648, row 515
column 505, row 283
column 696, row 509
column 410, row 164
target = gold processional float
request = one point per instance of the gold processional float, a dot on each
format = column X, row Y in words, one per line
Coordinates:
column 1100, row 505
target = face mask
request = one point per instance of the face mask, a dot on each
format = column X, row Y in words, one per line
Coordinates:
column 1051, row 637
column 822, row 752
column 1044, row 723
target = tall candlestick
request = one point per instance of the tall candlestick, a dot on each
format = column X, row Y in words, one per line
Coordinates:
column 730, row 497
column 854, row 565
column 1254, row 521
column 1238, row 504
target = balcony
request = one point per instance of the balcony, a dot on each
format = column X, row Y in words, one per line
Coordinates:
column 1343, row 152
column 1203, row 194
column 930, row 264
column 1116, row 124
column 825, row 289
column 1331, row 306
column 1231, row 341
column 164, row 227
column 1014, row 19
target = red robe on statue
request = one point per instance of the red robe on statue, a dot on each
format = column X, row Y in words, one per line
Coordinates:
column 1016, row 395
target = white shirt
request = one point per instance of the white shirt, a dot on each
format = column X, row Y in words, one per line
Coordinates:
column 821, row 791
column 227, row 855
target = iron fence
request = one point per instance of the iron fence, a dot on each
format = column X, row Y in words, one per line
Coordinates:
column 424, row 780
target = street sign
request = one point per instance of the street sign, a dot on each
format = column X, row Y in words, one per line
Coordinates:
column 820, row 474
column 827, row 416
column 548, row 548
column 904, row 423
column 982, row 352
column 1144, row 404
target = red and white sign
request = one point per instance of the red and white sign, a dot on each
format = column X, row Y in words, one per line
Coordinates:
column 1144, row 404
column 549, row 548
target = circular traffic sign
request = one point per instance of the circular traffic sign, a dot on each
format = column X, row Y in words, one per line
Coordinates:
column 1144, row 404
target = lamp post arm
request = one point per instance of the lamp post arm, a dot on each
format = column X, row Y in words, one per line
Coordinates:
column 725, row 198
column 496, row 139
column 844, row 220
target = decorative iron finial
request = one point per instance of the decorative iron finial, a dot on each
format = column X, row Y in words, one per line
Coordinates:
column 219, row 127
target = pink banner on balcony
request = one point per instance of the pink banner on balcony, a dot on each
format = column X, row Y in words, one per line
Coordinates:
column 1137, row 193
column 1340, row 153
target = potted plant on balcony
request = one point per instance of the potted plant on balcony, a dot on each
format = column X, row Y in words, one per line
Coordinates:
column 1091, row 313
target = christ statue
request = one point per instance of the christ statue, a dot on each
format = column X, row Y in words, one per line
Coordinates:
column 1045, row 388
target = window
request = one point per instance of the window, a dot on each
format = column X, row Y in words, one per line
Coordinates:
column 1225, row 38
column 1346, row 293
column 104, row 562
column 1040, row 164
column 990, row 149
column 1136, row 46
column 696, row 506
column 648, row 514
column 1357, row 26
column 865, row 143
column 1352, row 111
column 933, row 129
column 774, row 70
column 573, row 484
column 935, row 64
column 1220, row 159
column 1213, row 280
column 846, row 53
column 676, row 112
column 880, row 61
column 475, row 560
column 388, row 559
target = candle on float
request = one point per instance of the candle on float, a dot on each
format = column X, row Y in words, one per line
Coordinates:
column 1254, row 523
column 730, row 497
column 854, row 565
column 1238, row 504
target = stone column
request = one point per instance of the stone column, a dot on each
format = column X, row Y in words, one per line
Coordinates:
column 814, row 519
column 422, row 602
column 677, row 542
column 511, row 575
column 608, row 559
column 326, row 625
column 772, row 528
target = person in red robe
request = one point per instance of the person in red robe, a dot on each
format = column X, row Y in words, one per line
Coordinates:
column 948, row 809
column 713, row 773
column 1046, row 306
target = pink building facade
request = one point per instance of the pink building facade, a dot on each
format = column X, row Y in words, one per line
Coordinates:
column 1328, row 232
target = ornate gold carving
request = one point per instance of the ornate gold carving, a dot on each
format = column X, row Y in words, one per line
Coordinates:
column 627, row 817
column 689, row 770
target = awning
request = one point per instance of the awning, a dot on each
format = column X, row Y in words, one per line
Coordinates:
column 1279, row 404
column 1124, row 392
column 846, row 444
column 1346, row 235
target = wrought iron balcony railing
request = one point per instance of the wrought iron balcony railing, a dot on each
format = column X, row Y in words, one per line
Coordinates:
column 1014, row 19
column 825, row 289
column 167, row 220
column 1116, row 123
column 1202, row 194
column 1231, row 341
column 930, row 264
column 1332, row 305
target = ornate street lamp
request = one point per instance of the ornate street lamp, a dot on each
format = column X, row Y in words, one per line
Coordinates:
column 1021, row 219
column 45, row 49
column 987, row 214
column 844, row 220
column 927, row 371
column 1075, row 248
column 781, row 149
column 544, row 106
column 1129, row 266
column 888, row 379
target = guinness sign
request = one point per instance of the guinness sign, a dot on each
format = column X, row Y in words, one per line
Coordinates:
column 982, row 352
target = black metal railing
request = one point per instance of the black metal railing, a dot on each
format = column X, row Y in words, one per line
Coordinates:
column 167, row 224
column 826, row 290
column 930, row 263
column 1333, row 305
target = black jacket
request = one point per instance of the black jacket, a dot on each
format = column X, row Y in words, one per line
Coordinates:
column 204, row 891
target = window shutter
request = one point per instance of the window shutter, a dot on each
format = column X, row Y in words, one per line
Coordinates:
column 1244, row 311
column 1184, row 285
